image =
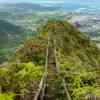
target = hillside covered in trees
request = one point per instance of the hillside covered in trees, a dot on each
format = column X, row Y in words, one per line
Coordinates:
column 10, row 36
column 78, row 57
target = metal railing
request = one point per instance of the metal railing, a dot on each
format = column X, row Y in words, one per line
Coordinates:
column 41, row 91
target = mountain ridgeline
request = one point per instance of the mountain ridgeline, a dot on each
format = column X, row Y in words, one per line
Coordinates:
column 78, row 57
column 70, row 41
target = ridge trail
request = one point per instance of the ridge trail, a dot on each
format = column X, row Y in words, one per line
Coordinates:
column 52, row 86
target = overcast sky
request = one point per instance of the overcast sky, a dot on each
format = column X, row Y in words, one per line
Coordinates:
column 50, row 1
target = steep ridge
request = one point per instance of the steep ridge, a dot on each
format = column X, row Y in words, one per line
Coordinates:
column 78, row 59
column 73, row 42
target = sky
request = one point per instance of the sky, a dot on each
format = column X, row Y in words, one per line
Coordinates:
column 51, row 1
column 83, row 1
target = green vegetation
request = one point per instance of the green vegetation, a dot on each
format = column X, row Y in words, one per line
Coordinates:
column 32, row 50
column 23, row 72
column 7, row 96
column 82, row 80
column 10, row 36
column 79, row 60
column 17, row 78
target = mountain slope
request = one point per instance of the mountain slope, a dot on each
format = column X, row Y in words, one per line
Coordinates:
column 70, row 41
column 73, row 42
column 6, row 27
column 10, row 35
column 78, row 57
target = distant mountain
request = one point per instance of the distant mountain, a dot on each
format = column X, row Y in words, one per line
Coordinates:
column 6, row 27
column 28, row 7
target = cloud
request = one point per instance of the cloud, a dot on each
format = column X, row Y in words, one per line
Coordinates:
column 34, row 1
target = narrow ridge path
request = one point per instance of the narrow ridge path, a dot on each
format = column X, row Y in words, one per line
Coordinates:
column 52, row 86
column 50, row 93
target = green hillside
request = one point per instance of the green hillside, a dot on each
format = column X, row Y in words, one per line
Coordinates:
column 78, row 59
column 9, row 32
column 10, row 36
column 70, row 41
